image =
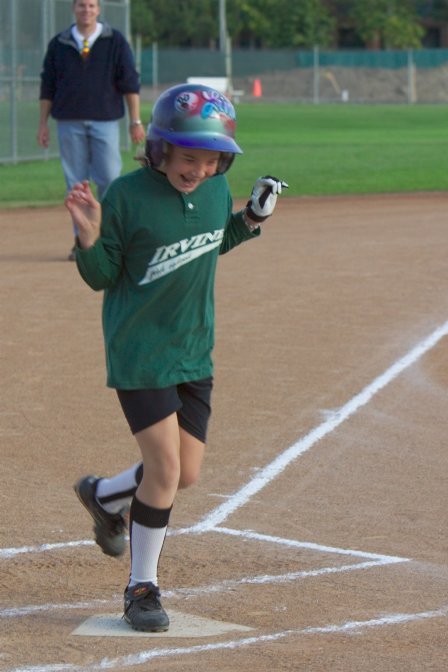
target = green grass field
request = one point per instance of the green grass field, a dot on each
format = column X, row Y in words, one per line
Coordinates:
column 317, row 149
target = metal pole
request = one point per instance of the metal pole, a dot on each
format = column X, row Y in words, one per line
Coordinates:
column 51, row 20
column 127, row 23
column 46, row 34
column 13, row 89
column 128, row 20
column 412, row 89
column 138, row 53
column 45, row 22
column 155, row 68
column 222, row 26
column 228, row 64
column 316, row 75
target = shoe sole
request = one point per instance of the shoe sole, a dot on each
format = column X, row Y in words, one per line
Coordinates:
column 85, row 504
column 98, row 521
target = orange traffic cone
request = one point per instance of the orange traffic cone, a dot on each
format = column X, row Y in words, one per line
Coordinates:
column 257, row 92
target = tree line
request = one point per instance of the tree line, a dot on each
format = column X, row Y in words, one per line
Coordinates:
column 301, row 24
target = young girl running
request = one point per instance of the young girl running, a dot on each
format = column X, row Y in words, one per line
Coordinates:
column 152, row 246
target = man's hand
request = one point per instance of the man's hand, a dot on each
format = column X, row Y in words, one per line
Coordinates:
column 43, row 136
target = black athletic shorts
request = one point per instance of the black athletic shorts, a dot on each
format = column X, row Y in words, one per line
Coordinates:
column 191, row 402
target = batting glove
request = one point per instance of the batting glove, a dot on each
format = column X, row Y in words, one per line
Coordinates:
column 264, row 197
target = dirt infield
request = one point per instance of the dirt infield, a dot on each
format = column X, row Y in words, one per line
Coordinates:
column 320, row 521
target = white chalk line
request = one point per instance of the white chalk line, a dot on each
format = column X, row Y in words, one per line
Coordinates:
column 279, row 464
column 249, row 534
column 272, row 470
column 191, row 592
column 347, row 628
column 8, row 553
column 273, row 579
column 262, row 479
column 30, row 610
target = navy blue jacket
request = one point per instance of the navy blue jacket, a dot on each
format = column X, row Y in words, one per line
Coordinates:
column 89, row 88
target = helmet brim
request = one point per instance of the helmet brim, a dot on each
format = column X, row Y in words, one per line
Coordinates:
column 211, row 141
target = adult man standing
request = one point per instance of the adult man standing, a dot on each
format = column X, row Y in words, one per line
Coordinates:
column 88, row 72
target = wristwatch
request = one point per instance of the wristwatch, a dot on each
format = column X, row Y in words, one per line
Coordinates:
column 137, row 122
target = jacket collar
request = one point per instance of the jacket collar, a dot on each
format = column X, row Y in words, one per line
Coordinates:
column 66, row 36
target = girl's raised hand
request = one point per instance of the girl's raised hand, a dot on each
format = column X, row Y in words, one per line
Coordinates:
column 86, row 213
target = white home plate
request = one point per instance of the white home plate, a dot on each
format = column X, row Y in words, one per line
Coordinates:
column 181, row 625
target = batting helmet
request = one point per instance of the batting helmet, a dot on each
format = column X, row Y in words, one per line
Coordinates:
column 194, row 116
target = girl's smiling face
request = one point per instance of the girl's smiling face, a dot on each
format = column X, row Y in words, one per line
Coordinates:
column 187, row 168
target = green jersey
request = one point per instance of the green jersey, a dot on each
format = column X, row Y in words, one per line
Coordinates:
column 156, row 262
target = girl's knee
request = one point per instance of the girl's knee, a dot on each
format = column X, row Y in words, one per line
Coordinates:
column 162, row 473
column 188, row 478
column 169, row 474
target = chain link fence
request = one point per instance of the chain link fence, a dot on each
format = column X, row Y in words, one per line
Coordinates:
column 283, row 75
column 315, row 76
column 26, row 27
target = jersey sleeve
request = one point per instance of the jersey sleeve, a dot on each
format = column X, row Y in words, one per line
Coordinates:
column 101, row 265
column 236, row 231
